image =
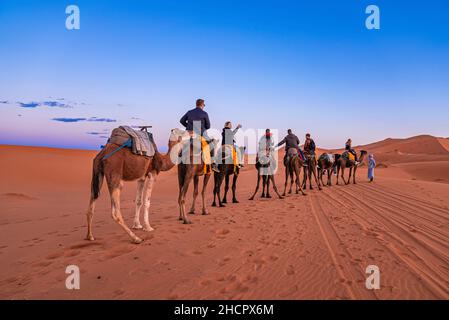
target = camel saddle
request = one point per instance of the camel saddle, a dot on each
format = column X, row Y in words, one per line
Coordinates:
column 349, row 157
column 142, row 142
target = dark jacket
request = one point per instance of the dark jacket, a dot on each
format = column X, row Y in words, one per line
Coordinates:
column 291, row 141
column 309, row 147
column 227, row 136
column 196, row 114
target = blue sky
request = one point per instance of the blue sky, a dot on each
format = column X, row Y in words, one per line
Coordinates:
column 307, row 65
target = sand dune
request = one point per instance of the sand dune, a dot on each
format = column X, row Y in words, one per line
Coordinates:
column 303, row 247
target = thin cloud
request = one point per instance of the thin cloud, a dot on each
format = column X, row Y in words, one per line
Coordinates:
column 92, row 119
column 28, row 105
column 96, row 119
column 4, row 102
column 94, row 133
column 69, row 119
column 56, row 104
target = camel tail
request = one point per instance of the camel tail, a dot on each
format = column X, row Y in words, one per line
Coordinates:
column 97, row 178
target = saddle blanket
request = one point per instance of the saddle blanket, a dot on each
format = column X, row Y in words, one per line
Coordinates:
column 142, row 142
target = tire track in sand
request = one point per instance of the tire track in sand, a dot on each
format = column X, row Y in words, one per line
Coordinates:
column 331, row 240
column 422, row 257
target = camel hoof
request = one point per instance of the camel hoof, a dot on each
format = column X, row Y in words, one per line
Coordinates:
column 214, row 204
column 137, row 241
column 281, row 197
column 187, row 222
column 191, row 212
column 268, row 196
column 283, row 194
column 235, row 201
column 205, row 213
column 252, row 198
column 90, row 238
column 224, row 201
column 222, row 205
column 180, row 218
column 148, row 229
column 137, row 227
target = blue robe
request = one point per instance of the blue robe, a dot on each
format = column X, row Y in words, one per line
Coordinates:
column 371, row 166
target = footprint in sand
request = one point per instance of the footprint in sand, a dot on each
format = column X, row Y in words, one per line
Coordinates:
column 288, row 292
column 290, row 270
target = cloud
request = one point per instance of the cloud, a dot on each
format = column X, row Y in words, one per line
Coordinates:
column 94, row 133
column 29, row 105
column 48, row 103
column 4, row 102
column 96, row 119
column 69, row 119
column 91, row 119
column 55, row 104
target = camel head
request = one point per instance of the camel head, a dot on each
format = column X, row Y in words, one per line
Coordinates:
column 178, row 135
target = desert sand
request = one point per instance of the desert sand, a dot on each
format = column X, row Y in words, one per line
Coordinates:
column 302, row 247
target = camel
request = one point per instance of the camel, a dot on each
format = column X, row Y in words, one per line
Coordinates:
column 226, row 170
column 293, row 165
column 325, row 164
column 124, row 165
column 311, row 170
column 188, row 171
column 268, row 165
column 342, row 163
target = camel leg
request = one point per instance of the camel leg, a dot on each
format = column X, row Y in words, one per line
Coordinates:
column 267, row 194
column 291, row 181
column 117, row 215
column 350, row 175
column 271, row 177
column 338, row 173
column 317, row 181
column 218, row 180
column 149, row 189
column 139, row 203
column 343, row 175
column 286, row 180
column 226, row 189
column 214, row 203
column 353, row 175
column 90, row 214
column 182, row 197
column 257, row 186
column 329, row 177
column 203, row 194
column 196, row 180
column 234, row 187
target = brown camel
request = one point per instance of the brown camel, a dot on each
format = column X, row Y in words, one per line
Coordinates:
column 124, row 165
column 343, row 163
column 326, row 164
column 293, row 165
column 227, row 168
column 266, row 169
column 191, row 168
column 311, row 170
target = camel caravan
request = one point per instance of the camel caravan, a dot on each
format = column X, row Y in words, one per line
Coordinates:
column 132, row 155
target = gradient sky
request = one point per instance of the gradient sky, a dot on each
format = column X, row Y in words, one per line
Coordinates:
column 307, row 65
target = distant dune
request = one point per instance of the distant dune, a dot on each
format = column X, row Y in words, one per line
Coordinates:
column 301, row 247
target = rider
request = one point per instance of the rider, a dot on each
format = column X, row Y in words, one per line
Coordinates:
column 291, row 140
column 266, row 143
column 197, row 121
column 348, row 147
column 227, row 138
column 309, row 145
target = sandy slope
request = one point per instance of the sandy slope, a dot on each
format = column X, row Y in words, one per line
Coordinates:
column 316, row 246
